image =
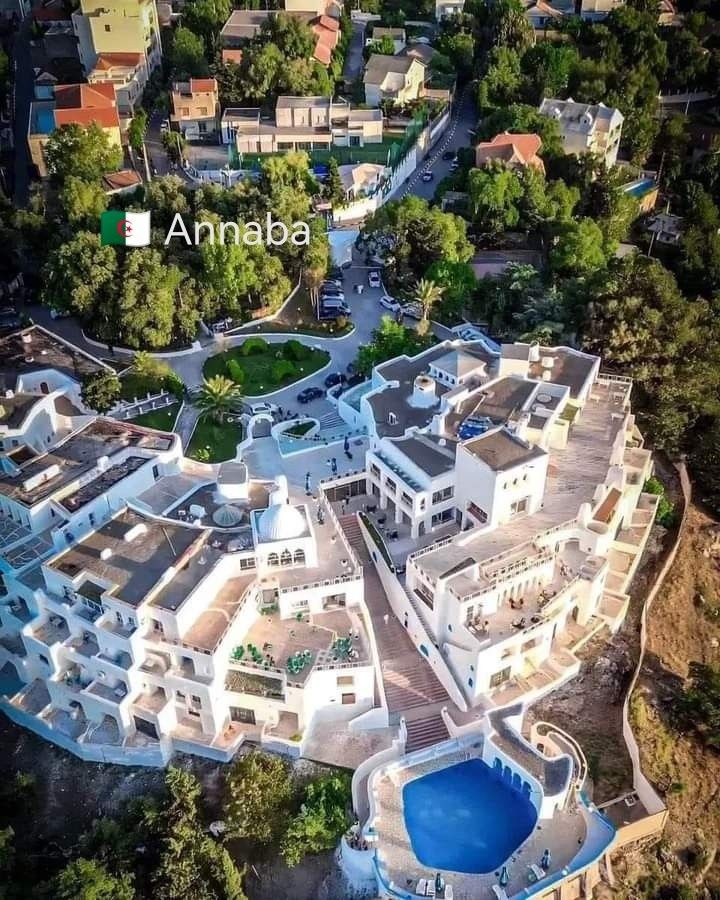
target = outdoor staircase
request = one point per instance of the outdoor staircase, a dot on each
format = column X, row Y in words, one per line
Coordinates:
column 425, row 732
column 408, row 679
column 332, row 420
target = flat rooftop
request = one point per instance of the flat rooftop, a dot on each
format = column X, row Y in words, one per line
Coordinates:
column 132, row 566
column 14, row 409
column 210, row 626
column 501, row 449
column 570, row 367
column 500, row 401
column 45, row 475
column 433, row 454
column 34, row 349
column 573, row 476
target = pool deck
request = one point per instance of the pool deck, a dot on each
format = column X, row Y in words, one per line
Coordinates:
column 562, row 835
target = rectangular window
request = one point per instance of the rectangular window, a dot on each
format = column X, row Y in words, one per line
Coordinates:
column 348, row 699
column 354, row 140
column 107, row 28
column 345, row 680
column 407, row 499
column 444, row 494
column 477, row 513
column 374, row 470
column 499, row 677
column 390, row 484
column 179, row 695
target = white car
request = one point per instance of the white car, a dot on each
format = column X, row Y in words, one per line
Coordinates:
column 389, row 303
column 374, row 279
column 262, row 407
column 412, row 310
column 427, row 176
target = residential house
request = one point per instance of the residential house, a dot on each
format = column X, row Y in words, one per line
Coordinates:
column 327, row 32
column 119, row 43
column 361, row 180
column 128, row 72
column 399, row 79
column 666, row 228
column 586, row 128
column 423, row 53
column 195, row 107
column 396, row 35
column 72, row 104
column 516, row 151
column 595, row 10
column 543, row 15
column 445, row 8
column 245, row 24
column 123, row 182
column 302, row 123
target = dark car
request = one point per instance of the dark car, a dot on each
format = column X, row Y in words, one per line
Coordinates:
column 333, row 379
column 449, row 154
column 311, row 393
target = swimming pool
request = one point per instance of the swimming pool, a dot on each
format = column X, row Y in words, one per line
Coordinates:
column 466, row 818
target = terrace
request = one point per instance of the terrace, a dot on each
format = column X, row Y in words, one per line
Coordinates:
column 102, row 484
column 211, row 625
column 54, row 631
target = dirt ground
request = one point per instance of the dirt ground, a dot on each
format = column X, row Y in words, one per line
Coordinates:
column 71, row 793
column 687, row 775
column 590, row 706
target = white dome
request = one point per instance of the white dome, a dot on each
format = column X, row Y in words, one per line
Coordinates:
column 281, row 522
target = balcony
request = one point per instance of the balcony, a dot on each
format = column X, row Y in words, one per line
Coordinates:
column 86, row 645
column 112, row 693
column 52, row 632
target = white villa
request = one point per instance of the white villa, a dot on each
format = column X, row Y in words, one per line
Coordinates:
column 154, row 604
column 586, row 127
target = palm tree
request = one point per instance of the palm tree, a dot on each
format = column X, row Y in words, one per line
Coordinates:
column 218, row 396
column 427, row 294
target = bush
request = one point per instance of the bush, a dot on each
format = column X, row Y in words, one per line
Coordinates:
column 665, row 515
column 235, row 371
column 282, row 369
column 254, row 346
column 296, row 350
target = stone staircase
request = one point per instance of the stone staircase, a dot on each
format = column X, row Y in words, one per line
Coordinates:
column 409, row 682
column 332, row 420
column 425, row 732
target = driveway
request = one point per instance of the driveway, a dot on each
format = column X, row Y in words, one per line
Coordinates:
column 354, row 59
column 23, row 95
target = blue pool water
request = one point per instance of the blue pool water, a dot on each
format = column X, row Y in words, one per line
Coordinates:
column 45, row 119
column 466, row 818
column 640, row 188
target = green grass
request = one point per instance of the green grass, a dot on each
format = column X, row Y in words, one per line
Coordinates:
column 300, row 429
column 162, row 419
column 213, row 442
column 257, row 368
column 132, row 386
column 372, row 153
column 299, row 317
column 379, row 542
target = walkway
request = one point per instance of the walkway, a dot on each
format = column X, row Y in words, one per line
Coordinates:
column 411, row 688
column 354, row 60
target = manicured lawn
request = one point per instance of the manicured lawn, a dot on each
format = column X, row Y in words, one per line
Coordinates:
column 259, row 377
column 163, row 419
column 132, row 386
column 218, row 441
column 299, row 316
column 300, row 429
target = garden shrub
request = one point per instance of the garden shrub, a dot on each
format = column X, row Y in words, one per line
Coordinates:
column 282, row 369
column 235, row 371
column 254, row 346
column 666, row 511
column 296, row 350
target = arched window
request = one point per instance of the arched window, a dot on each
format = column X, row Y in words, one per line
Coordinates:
column 286, row 558
column 273, row 559
column 299, row 557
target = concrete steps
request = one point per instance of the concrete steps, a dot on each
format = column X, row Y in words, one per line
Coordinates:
column 410, row 683
column 425, row 732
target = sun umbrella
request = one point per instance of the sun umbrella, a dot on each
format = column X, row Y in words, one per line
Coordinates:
column 504, row 877
column 227, row 516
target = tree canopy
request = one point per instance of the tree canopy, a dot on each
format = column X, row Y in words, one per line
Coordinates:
column 84, row 152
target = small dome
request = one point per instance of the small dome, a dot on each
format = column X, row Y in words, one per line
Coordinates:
column 227, row 516
column 281, row 522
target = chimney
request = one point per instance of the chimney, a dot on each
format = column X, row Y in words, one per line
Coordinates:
column 424, row 394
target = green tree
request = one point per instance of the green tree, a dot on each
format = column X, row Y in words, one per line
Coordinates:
column 146, row 300
column 390, row 339
column 384, row 46
column 674, row 139
column 82, row 201
column 519, row 118
column 84, row 152
column 460, row 50
column 81, row 277
column 101, row 391
column 495, row 192
column 334, row 189
column 260, row 68
column 458, row 283
column 229, row 272
column 546, row 69
column 500, row 300
column 187, row 54
column 509, row 25
column 704, row 459
column 137, row 129
column 500, row 85
column 322, row 819
column 293, row 37
column 427, row 294
column 218, row 397
column 579, row 248
column 206, row 18
column 85, row 879
column 701, row 703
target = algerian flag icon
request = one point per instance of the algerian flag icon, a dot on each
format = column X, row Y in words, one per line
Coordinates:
column 130, row 229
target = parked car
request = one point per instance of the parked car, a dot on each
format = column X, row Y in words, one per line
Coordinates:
column 311, row 393
column 413, row 310
column 427, row 176
column 335, row 273
column 331, row 283
column 374, row 279
column 448, row 154
column 336, row 307
column 334, row 378
column 389, row 303
column 455, row 165
column 262, row 407
column 332, row 294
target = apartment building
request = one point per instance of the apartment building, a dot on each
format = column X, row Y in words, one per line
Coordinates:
column 195, row 107
column 302, row 123
column 118, row 43
column 71, row 104
column 399, row 79
column 586, row 128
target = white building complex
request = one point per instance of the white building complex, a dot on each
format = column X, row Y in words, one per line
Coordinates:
column 155, row 604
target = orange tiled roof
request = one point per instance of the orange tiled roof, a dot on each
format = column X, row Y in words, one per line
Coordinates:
column 84, row 96
column 105, row 118
column 203, row 86
column 125, row 178
column 234, row 56
column 521, row 148
column 106, row 61
column 329, row 22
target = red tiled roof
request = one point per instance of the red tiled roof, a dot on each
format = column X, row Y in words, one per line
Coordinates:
column 522, row 148
column 105, row 118
column 107, row 61
column 234, row 56
column 125, row 178
column 323, row 52
column 329, row 22
column 85, row 96
column 203, row 85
